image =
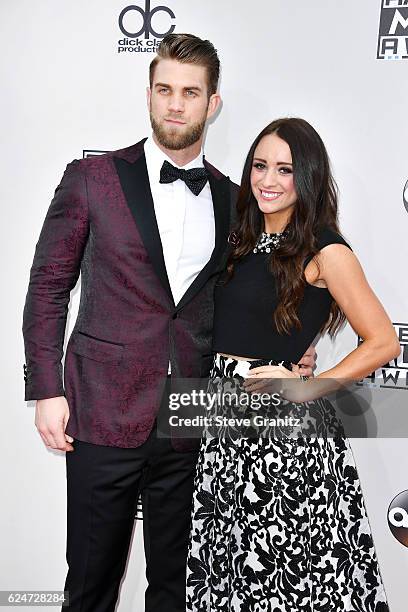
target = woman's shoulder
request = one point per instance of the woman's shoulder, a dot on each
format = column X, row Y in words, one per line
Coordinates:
column 327, row 235
column 324, row 236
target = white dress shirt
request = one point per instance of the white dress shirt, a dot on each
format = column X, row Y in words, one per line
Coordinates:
column 185, row 221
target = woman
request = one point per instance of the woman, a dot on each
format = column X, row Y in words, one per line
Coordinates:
column 279, row 523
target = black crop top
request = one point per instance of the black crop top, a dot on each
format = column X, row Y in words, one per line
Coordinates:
column 244, row 306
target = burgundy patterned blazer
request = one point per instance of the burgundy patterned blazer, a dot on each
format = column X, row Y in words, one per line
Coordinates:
column 101, row 223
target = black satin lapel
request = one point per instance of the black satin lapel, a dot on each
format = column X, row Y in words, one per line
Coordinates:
column 221, row 194
column 221, row 197
column 134, row 180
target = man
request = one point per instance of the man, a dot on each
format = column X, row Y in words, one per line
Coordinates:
column 147, row 227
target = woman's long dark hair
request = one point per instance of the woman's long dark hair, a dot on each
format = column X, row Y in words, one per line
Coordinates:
column 316, row 207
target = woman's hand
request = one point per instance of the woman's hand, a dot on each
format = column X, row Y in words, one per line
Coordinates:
column 268, row 379
column 290, row 385
column 307, row 363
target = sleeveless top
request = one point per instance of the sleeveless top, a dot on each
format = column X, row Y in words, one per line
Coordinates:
column 244, row 307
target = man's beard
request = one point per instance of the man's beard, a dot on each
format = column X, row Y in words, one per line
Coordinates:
column 172, row 139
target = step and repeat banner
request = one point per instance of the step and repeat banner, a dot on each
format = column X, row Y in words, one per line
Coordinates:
column 74, row 78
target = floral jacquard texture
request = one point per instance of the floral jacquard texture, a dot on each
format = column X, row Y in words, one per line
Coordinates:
column 97, row 227
column 278, row 525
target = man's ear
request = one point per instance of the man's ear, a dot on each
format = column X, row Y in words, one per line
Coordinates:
column 148, row 96
column 213, row 105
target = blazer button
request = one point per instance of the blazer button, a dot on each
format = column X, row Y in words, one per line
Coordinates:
column 175, row 315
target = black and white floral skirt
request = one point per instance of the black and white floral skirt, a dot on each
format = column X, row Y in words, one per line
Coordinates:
column 279, row 524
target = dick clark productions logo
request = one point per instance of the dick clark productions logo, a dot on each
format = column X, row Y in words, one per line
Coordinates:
column 136, row 24
column 398, row 517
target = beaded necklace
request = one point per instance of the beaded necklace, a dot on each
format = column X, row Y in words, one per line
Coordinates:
column 269, row 242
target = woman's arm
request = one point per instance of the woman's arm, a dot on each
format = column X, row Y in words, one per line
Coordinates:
column 344, row 277
column 341, row 272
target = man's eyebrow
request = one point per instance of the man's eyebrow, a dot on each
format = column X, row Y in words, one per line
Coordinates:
column 191, row 88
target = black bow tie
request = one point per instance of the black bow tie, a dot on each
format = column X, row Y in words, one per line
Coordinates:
column 195, row 178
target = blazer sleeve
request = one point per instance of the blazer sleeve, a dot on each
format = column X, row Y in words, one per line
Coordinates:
column 54, row 272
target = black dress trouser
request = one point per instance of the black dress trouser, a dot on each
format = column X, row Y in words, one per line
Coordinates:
column 103, row 486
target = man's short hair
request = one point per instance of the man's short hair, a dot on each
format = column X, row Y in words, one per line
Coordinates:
column 189, row 49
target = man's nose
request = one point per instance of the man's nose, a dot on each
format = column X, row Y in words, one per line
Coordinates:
column 176, row 103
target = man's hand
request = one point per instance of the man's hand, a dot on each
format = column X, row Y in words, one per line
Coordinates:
column 51, row 417
column 307, row 364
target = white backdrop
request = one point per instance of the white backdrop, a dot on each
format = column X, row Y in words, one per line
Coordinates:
column 66, row 88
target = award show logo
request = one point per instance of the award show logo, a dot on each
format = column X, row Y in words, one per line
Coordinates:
column 136, row 24
column 393, row 375
column 393, row 33
column 398, row 517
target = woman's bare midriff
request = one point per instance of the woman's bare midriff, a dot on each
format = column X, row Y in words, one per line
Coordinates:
column 238, row 358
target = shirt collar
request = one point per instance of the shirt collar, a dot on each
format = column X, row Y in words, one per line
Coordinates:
column 155, row 158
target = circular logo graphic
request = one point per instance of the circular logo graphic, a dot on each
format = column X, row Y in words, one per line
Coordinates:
column 146, row 15
column 398, row 517
column 405, row 196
